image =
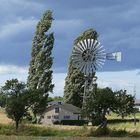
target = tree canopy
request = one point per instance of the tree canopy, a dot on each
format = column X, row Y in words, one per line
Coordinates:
column 74, row 82
column 16, row 99
column 40, row 72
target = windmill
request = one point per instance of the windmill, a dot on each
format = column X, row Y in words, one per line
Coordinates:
column 88, row 56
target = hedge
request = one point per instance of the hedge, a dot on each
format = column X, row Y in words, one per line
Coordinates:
column 74, row 122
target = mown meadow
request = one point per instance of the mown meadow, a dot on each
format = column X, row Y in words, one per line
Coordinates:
column 38, row 132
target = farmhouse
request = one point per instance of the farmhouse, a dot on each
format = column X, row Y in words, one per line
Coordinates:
column 58, row 111
column 137, row 103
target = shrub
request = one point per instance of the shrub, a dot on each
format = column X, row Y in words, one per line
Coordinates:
column 118, row 133
column 56, row 122
column 134, row 134
column 112, row 121
column 100, row 132
column 96, row 121
column 74, row 122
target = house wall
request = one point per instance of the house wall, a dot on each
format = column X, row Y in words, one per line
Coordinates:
column 61, row 114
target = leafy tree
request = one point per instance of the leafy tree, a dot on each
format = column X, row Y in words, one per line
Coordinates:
column 16, row 101
column 99, row 104
column 37, row 104
column 74, row 89
column 125, row 103
column 3, row 99
column 40, row 73
column 56, row 98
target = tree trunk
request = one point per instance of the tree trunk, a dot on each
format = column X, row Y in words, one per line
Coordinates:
column 104, row 119
column 122, row 117
column 17, row 124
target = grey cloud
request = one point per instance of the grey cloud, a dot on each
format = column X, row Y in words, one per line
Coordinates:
column 19, row 28
column 138, row 73
column 116, row 22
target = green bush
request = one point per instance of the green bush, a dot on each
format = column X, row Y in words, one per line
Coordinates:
column 7, row 130
column 56, row 122
column 112, row 121
column 74, row 122
column 100, row 132
column 118, row 133
column 134, row 134
column 96, row 121
column 108, row 132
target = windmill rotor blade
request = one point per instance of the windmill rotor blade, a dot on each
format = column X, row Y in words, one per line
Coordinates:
column 78, row 48
column 89, row 42
column 82, row 45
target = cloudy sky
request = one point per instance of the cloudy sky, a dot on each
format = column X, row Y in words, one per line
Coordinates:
column 117, row 23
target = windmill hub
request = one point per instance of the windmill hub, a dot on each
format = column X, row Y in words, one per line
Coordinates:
column 87, row 56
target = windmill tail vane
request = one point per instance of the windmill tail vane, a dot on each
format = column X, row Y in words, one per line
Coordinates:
column 114, row 56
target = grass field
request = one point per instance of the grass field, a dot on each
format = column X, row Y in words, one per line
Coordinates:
column 61, row 138
column 124, row 130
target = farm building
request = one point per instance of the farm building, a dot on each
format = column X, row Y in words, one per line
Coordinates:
column 58, row 111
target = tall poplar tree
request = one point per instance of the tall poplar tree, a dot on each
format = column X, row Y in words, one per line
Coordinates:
column 74, row 82
column 40, row 73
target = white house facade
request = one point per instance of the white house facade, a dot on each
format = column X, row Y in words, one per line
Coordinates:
column 58, row 111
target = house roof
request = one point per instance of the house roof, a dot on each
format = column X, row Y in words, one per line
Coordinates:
column 55, row 102
column 65, row 106
column 137, row 102
column 71, row 108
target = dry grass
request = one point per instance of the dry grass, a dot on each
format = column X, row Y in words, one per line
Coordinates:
column 62, row 127
column 120, row 126
column 61, row 138
column 127, row 126
column 113, row 115
column 3, row 117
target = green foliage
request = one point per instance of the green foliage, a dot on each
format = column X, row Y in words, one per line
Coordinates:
column 3, row 98
column 118, row 133
column 40, row 73
column 88, row 34
column 100, row 132
column 74, row 89
column 74, row 122
column 16, row 101
column 105, row 131
column 104, row 101
column 37, row 102
column 125, row 103
column 117, row 121
column 55, row 98
column 48, row 131
column 99, row 104
column 36, row 131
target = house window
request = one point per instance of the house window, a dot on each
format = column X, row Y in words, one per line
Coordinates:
column 59, row 103
column 57, row 110
column 66, row 117
column 48, row 117
column 56, row 117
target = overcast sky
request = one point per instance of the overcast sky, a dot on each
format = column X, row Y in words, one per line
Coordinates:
column 116, row 21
